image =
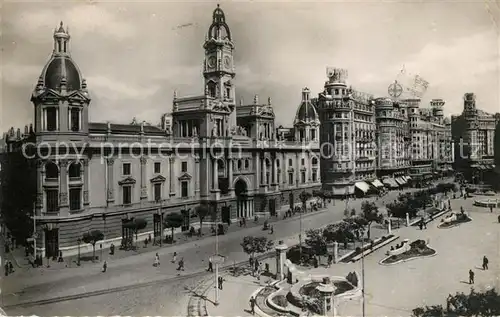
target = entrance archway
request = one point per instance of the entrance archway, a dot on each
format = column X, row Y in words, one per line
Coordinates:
column 242, row 203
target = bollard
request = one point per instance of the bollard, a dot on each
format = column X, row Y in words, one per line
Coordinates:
column 407, row 219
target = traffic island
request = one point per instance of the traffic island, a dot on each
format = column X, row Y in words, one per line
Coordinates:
column 408, row 251
column 454, row 220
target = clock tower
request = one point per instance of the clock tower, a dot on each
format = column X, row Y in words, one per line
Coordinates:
column 218, row 69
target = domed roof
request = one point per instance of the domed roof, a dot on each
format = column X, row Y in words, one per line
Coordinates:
column 59, row 67
column 306, row 111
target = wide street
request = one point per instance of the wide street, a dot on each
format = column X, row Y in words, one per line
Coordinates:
column 133, row 280
column 397, row 289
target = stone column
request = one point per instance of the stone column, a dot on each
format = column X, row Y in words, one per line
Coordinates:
column 39, row 186
column 335, row 251
column 257, row 171
column 230, row 174
column 215, row 176
column 63, row 176
column 171, row 176
column 280, row 260
column 85, row 171
column 197, row 175
column 111, row 182
column 144, row 188
column 264, row 172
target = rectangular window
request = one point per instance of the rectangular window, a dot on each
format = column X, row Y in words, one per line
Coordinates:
column 75, row 119
column 126, row 170
column 157, row 167
column 127, row 195
column 314, row 176
column 51, row 119
column 290, row 178
column 184, row 167
column 302, row 162
column 157, row 189
column 52, row 200
column 303, row 177
column 184, row 189
column 75, row 199
column 290, row 162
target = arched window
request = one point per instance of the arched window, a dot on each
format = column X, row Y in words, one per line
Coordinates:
column 75, row 119
column 247, row 163
column 240, row 164
column 314, row 161
column 51, row 170
column 74, row 170
column 51, row 119
column 212, row 89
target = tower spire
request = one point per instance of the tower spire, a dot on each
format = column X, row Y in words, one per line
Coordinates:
column 61, row 40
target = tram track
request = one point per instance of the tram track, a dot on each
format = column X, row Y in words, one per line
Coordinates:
column 32, row 303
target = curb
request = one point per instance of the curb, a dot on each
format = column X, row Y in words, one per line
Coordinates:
column 406, row 260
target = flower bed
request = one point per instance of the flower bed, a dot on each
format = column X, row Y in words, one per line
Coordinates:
column 417, row 249
column 377, row 243
column 487, row 203
column 454, row 220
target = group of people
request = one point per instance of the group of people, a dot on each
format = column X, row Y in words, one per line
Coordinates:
column 180, row 266
column 484, row 266
column 8, row 268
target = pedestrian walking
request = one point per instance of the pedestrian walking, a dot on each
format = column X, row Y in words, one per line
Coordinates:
column 491, row 208
column 220, row 280
column 181, row 265
column 157, row 260
column 104, row 266
column 252, row 305
column 485, row 263
column 471, row 277
column 11, row 268
column 174, row 257
column 330, row 260
column 210, row 266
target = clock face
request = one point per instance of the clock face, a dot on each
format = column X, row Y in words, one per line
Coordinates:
column 227, row 62
column 211, row 61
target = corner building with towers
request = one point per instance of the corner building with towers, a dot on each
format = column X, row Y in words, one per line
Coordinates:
column 215, row 151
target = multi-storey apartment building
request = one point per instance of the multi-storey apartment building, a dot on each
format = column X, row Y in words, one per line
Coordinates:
column 347, row 136
column 474, row 133
column 393, row 141
column 105, row 176
column 431, row 146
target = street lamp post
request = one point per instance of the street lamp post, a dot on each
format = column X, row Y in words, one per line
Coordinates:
column 79, row 241
column 216, row 260
column 363, row 279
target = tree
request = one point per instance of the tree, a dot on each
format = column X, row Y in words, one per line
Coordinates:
column 138, row 224
column 173, row 220
column 370, row 214
column 92, row 238
column 316, row 240
column 473, row 304
column 304, row 197
column 254, row 245
column 202, row 211
column 342, row 232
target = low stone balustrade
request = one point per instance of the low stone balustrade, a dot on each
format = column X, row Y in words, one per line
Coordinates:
column 404, row 248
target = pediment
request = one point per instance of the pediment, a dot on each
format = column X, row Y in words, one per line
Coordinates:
column 50, row 94
column 127, row 181
column 185, row 177
column 77, row 96
column 158, row 179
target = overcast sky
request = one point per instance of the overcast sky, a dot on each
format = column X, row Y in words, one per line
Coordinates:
column 134, row 55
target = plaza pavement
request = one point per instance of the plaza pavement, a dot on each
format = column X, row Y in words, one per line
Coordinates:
column 396, row 290
column 120, row 284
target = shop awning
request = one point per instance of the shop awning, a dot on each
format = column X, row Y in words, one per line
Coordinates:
column 401, row 180
column 377, row 183
column 364, row 187
column 390, row 182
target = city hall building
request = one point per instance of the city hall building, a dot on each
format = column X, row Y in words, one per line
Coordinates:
column 209, row 149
